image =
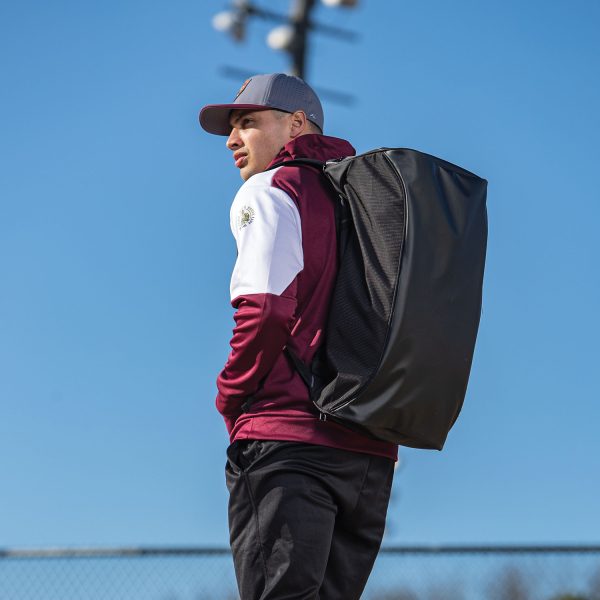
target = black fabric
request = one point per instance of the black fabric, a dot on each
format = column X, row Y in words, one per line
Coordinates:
column 363, row 298
column 407, row 302
column 306, row 521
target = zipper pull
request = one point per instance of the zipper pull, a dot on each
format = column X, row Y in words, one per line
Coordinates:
column 322, row 416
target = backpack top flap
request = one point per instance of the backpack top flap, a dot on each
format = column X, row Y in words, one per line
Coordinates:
column 406, row 307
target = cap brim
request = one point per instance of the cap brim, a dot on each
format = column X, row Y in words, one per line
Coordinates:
column 214, row 118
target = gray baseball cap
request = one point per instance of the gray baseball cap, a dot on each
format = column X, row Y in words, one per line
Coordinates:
column 262, row 92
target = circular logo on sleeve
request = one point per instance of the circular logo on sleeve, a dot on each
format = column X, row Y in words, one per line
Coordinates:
column 245, row 217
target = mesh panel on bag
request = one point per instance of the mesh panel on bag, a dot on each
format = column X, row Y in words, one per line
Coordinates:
column 363, row 298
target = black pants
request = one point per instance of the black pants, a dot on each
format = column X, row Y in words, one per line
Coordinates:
column 305, row 521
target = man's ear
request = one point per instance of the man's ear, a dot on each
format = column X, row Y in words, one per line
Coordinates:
column 298, row 124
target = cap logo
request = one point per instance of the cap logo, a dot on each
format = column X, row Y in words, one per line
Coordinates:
column 244, row 85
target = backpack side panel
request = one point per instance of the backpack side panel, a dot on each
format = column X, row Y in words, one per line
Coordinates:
column 362, row 301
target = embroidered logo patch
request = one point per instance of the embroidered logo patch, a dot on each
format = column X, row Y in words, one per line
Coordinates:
column 242, row 88
column 245, row 217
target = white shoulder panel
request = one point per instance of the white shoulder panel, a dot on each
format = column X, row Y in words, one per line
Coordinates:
column 266, row 225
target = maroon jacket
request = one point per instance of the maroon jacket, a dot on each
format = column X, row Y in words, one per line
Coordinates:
column 284, row 226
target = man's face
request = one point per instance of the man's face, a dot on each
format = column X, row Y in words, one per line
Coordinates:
column 256, row 138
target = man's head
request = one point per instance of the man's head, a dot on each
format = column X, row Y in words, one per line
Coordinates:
column 257, row 136
column 267, row 113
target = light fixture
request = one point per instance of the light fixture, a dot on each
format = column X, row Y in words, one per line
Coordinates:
column 281, row 38
column 231, row 23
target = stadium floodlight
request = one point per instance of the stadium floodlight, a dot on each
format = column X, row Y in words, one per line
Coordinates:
column 291, row 36
column 230, row 22
column 281, row 38
column 346, row 3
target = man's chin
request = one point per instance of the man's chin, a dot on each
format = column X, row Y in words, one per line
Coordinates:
column 246, row 173
column 248, row 170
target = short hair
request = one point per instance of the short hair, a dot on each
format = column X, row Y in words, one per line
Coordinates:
column 312, row 127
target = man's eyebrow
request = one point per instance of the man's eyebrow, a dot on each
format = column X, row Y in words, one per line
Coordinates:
column 234, row 120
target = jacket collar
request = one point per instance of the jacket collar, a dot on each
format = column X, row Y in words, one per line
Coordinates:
column 316, row 146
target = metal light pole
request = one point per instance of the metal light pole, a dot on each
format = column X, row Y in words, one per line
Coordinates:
column 300, row 17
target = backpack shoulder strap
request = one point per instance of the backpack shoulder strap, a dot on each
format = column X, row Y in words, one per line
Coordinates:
column 299, row 162
column 341, row 225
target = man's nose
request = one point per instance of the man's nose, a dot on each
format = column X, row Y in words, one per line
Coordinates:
column 233, row 141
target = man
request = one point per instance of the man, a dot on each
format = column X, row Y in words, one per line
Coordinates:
column 308, row 497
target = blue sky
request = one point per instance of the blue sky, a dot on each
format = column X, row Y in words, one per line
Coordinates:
column 115, row 258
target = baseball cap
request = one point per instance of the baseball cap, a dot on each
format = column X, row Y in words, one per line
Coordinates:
column 262, row 92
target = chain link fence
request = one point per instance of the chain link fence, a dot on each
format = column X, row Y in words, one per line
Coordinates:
column 400, row 573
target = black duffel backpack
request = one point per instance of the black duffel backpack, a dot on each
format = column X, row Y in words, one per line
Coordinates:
column 405, row 310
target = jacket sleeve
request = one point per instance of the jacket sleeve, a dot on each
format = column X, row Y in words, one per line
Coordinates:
column 266, row 225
